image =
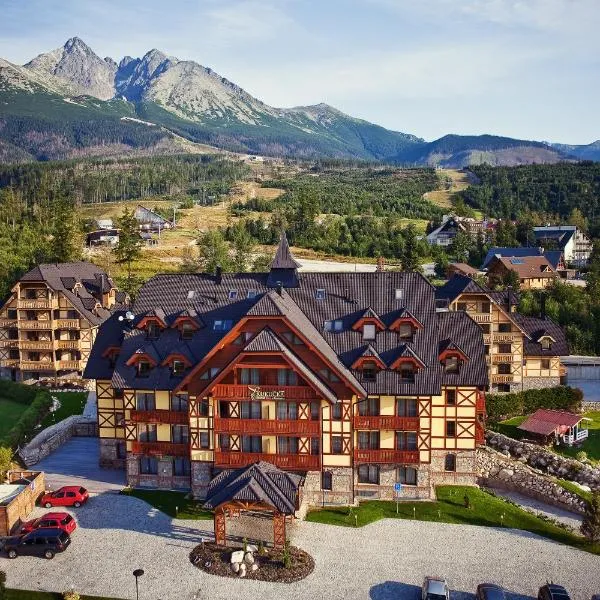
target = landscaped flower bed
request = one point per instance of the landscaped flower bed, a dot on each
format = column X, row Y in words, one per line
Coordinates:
column 216, row 560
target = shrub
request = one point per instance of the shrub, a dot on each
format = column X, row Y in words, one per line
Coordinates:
column 581, row 456
column 70, row 595
column 5, row 461
column 590, row 527
column 506, row 406
column 32, row 416
column 17, row 392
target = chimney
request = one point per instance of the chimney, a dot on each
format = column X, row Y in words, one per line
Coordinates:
column 543, row 305
column 280, row 288
column 219, row 274
column 380, row 264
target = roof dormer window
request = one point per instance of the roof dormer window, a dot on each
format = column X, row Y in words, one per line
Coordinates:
column 320, row 294
column 546, row 343
column 407, row 372
column 452, row 364
column 177, row 368
column 187, row 331
column 152, row 330
column 369, row 370
column 369, row 331
column 222, row 325
column 406, row 332
column 143, row 368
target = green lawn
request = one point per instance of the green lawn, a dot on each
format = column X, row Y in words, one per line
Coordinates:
column 71, row 403
column 509, row 427
column 30, row 595
column 485, row 509
column 10, row 412
column 591, row 446
column 571, row 487
column 174, row 504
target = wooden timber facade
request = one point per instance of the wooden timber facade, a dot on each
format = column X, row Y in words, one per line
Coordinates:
column 49, row 322
column 352, row 380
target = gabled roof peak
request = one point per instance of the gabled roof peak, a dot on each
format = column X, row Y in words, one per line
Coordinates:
column 283, row 257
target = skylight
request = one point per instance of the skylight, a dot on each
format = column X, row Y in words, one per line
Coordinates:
column 320, row 294
column 232, row 294
column 516, row 261
column 251, row 294
column 399, row 294
column 190, row 294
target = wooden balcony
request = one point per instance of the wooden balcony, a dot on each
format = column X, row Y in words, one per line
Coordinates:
column 67, row 344
column 35, row 345
column 496, row 378
column 9, row 343
column 67, row 324
column 505, row 358
column 37, row 365
column 160, row 448
column 39, row 303
column 386, row 456
column 9, row 363
column 302, row 427
column 35, row 324
column 301, row 462
column 224, row 391
column 487, row 338
column 387, row 422
column 481, row 317
column 507, row 337
column 5, row 322
column 69, row 365
column 159, row 416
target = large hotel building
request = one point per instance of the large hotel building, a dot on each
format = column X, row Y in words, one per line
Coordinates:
column 351, row 379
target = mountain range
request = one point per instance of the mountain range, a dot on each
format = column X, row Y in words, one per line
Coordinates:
column 70, row 102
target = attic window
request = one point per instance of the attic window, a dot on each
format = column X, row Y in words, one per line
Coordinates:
column 187, row 331
column 451, row 364
column 143, row 368
column 407, row 371
column 369, row 331
column 546, row 343
column 152, row 330
column 399, row 294
column 190, row 294
column 178, row 367
column 336, row 325
column 222, row 325
column 233, row 294
column 406, row 332
column 251, row 294
column 320, row 294
column 369, row 371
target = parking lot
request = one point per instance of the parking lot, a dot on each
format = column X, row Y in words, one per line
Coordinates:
column 383, row 561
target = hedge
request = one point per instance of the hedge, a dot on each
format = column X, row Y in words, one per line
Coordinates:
column 31, row 417
column 17, row 392
column 505, row 406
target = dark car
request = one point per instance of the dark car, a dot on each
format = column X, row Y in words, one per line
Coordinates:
column 490, row 591
column 41, row 542
column 552, row 591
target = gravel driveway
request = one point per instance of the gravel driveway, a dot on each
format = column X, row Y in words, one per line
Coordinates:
column 382, row 561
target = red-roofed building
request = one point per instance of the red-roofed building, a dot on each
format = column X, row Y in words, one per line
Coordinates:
column 565, row 427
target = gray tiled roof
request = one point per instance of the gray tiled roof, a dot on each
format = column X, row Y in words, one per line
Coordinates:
column 536, row 328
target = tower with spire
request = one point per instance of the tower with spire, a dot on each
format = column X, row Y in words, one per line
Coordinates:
column 284, row 269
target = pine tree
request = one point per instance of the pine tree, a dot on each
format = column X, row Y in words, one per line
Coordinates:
column 129, row 247
column 410, row 252
column 591, row 520
column 243, row 245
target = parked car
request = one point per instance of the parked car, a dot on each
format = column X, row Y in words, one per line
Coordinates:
column 490, row 591
column 51, row 520
column 70, row 495
column 435, row 588
column 553, row 591
column 41, row 542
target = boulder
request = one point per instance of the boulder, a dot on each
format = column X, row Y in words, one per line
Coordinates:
column 254, row 567
column 248, row 558
column 235, row 567
column 242, row 571
column 251, row 548
column 237, row 556
column 505, row 473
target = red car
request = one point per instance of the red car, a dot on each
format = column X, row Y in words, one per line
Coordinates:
column 70, row 495
column 55, row 520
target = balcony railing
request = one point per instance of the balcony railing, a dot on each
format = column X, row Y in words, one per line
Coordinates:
column 43, row 303
column 224, row 391
column 505, row 358
column 481, row 317
column 386, row 456
column 9, row 343
column 268, row 426
column 486, row 338
column 502, row 378
column 5, row 322
column 67, row 324
column 63, row 365
column 387, row 422
column 507, row 337
column 35, row 345
column 9, row 362
column 160, row 448
column 159, row 416
column 302, row 462
column 37, row 365
column 67, row 344
column 35, row 324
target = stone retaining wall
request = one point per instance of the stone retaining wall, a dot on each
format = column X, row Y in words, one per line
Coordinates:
column 496, row 470
column 590, row 406
column 545, row 461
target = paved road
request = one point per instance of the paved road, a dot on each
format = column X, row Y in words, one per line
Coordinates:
column 76, row 463
column 383, row 561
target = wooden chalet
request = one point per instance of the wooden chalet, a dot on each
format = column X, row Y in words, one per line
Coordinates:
column 556, row 426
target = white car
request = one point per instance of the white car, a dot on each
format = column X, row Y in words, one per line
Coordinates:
column 435, row 588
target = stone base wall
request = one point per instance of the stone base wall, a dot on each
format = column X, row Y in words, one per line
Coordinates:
column 465, row 473
column 163, row 479
column 341, row 488
column 388, row 477
column 536, row 383
column 202, row 473
column 109, row 454
column 499, row 471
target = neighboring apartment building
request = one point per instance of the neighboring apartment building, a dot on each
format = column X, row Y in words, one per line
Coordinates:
column 451, row 225
column 49, row 322
column 534, row 272
column 576, row 245
column 352, row 379
column 521, row 352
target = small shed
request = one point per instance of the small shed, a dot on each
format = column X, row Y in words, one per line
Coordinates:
column 558, row 426
column 18, row 498
column 259, row 487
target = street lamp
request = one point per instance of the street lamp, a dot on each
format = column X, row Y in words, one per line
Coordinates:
column 137, row 574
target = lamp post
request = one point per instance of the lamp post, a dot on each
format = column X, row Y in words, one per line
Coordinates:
column 137, row 574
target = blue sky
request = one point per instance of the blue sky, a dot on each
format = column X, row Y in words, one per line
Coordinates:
column 521, row 68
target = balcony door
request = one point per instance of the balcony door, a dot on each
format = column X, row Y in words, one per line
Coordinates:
column 368, row 440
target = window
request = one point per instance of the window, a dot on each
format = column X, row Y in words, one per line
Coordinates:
column 224, row 441
column 451, row 397
column 180, row 434
column 461, row 306
column 203, row 410
column 248, row 376
column 222, row 325
column 187, row 331
column 407, row 372
column 368, row 440
column 118, row 392
column 148, row 465
column 451, row 429
column 327, row 480
column 119, row 419
column 505, row 348
column 210, row 373
column 315, row 446
column 329, row 375
column 145, row 401
column 486, row 349
column 486, row 307
column 407, row 476
column 451, row 364
column 287, row 445
column 152, row 330
column 485, row 327
column 178, row 368
column 336, row 444
column 545, row 363
column 406, row 407
column 368, row 474
column 336, row 411
column 179, row 402
column 146, row 433
column 368, row 331
column 286, row 377
column 251, row 294
column 546, row 344
column 338, row 325
column 182, row 467
column 504, row 368
column 503, row 387
column 143, row 368
column 369, row 407
column 292, row 338
column 11, row 313
column 406, row 332
column 369, row 371
column 406, row 440
column 232, row 294
column 315, row 411
column 450, row 462
column 121, row 449
column 251, row 443
column 204, row 440
column 287, row 411
column 320, row 294
column 504, row 328
column 398, row 294
column 250, row 410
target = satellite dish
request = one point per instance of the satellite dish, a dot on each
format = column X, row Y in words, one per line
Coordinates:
column 130, row 316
